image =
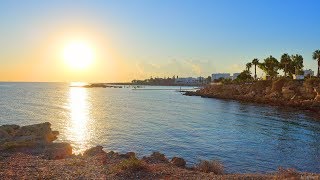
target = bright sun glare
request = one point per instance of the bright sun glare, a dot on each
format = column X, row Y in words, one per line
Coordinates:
column 78, row 55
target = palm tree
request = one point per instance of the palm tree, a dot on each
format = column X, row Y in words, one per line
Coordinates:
column 284, row 62
column 297, row 62
column 248, row 66
column 316, row 56
column 270, row 66
column 255, row 62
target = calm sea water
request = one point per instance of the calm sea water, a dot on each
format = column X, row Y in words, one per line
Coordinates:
column 244, row 137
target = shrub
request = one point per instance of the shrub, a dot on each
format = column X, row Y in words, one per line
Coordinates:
column 226, row 81
column 210, row 166
column 132, row 164
column 244, row 76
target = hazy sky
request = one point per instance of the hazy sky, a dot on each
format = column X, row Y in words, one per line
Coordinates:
column 143, row 38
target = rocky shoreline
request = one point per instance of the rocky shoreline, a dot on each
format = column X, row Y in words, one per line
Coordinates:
column 28, row 152
column 303, row 95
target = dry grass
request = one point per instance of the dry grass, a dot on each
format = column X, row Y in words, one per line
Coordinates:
column 287, row 174
column 132, row 164
column 210, row 166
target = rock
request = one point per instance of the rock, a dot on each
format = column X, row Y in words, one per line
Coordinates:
column 57, row 151
column 268, row 90
column 278, row 92
column 180, row 162
column 41, row 132
column 127, row 155
column 317, row 90
column 307, row 93
column 10, row 129
column 130, row 154
column 156, row 157
column 274, row 95
column 4, row 136
column 33, row 139
column 278, row 84
column 94, row 151
column 112, row 154
column 287, row 92
column 18, row 142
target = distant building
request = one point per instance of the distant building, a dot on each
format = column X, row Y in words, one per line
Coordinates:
column 235, row 75
column 308, row 72
column 188, row 80
column 201, row 80
column 298, row 77
column 217, row 76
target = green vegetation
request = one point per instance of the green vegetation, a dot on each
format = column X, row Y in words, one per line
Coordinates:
column 248, row 66
column 156, row 81
column 255, row 62
column 316, row 56
column 285, row 61
column 297, row 64
column 244, row 76
column 290, row 64
column 270, row 66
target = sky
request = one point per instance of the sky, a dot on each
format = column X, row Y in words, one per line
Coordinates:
column 158, row 38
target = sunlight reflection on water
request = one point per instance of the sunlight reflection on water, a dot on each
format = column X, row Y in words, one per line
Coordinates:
column 244, row 137
column 79, row 118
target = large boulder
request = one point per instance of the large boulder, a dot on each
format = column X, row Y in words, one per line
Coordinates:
column 287, row 93
column 33, row 139
column 13, row 136
column 156, row 157
column 307, row 93
column 94, row 151
column 128, row 155
column 40, row 132
column 278, row 84
column 57, row 151
column 177, row 161
column 10, row 129
column 4, row 135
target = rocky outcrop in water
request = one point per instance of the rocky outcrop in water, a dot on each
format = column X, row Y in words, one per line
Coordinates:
column 283, row 92
column 177, row 161
column 33, row 139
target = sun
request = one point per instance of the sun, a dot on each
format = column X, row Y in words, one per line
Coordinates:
column 78, row 55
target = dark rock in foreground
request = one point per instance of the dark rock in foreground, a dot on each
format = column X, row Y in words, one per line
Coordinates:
column 177, row 161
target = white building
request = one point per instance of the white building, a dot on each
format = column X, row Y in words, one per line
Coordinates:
column 308, row 72
column 298, row 77
column 217, row 76
column 235, row 75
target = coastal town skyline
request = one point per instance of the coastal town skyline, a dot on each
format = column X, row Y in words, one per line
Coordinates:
column 159, row 89
column 119, row 43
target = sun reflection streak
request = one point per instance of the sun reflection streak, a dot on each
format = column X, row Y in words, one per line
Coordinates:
column 79, row 117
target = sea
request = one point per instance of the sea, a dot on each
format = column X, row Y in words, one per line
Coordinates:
column 244, row 137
